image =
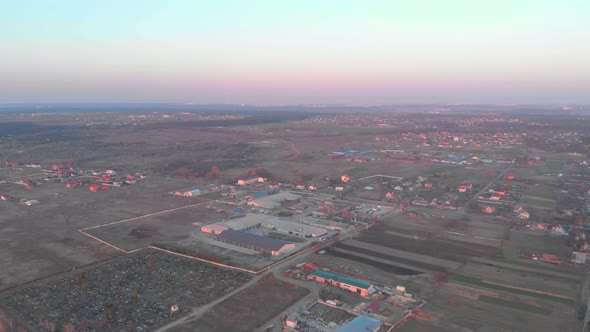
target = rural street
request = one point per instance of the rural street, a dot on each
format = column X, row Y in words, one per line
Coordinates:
column 498, row 177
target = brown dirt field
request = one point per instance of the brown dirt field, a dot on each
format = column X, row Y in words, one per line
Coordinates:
column 248, row 309
column 458, row 313
column 167, row 227
column 440, row 248
column 413, row 325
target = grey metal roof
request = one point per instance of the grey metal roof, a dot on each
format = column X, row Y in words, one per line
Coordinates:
column 252, row 240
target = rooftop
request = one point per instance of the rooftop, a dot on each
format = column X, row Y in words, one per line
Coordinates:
column 252, row 240
column 342, row 279
column 361, row 324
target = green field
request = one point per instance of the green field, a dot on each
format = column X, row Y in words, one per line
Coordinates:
column 478, row 282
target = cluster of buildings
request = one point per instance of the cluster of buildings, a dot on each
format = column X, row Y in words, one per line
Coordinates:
column 502, row 198
column 369, row 316
column 73, row 177
column 250, row 232
column 104, row 180
column 353, row 285
column 444, row 139
column 357, row 155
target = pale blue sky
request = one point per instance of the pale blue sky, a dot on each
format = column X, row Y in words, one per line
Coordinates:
column 315, row 51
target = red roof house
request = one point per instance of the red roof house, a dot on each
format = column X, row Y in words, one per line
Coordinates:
column 105, row 178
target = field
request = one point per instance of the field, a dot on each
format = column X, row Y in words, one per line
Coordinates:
column 162, row 228
column 436, row 241
column 473, row 308
column 441, row 248
column 132, row 292
column 43, row 237
column 537, row 242
column 414, row 325
column 496, row 277
column 249, row 309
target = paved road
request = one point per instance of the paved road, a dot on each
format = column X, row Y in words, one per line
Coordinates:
column 498, row 177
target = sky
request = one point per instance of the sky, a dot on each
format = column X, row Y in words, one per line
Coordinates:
column 295, row 52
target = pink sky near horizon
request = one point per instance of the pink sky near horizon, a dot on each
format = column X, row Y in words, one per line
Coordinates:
column 309, row 51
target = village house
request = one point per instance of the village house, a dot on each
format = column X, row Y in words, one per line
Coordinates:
column 105, row 178
column 242, row 182
column 495, row 197
column 73, row 183
column 489, row 209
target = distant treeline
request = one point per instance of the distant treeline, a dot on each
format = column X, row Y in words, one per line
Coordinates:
column 255, row 118
column 24, row 128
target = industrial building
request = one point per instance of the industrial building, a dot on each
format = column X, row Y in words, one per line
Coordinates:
column 255, row 242
column 272, row 201
column 351, row 284
column 293, row 228
column 242, row 182
column 327, row 224
column 239, row 224
column 252, row 221
column 361, row 323
column 192, row 192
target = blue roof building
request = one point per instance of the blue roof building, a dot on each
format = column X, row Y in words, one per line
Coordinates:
column 361, row 324
column 259, row 194
column 354, row 285
column 192, row 192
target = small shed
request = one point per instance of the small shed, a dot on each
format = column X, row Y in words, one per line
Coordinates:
column 291, row 320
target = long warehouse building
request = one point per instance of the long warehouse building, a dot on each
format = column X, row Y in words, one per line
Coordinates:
column 255, row 242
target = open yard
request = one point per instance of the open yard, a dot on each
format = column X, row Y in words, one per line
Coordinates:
column 165, row 227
